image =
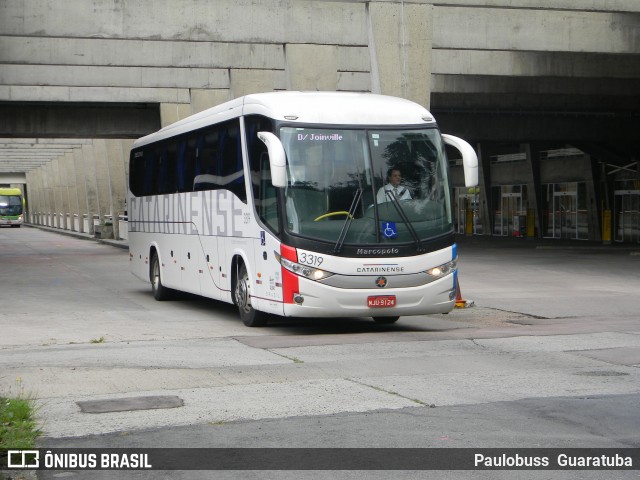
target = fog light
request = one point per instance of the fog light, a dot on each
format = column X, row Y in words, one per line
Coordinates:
column 452, row 294
column 298, row 298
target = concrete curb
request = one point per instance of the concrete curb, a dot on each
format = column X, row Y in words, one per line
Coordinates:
column 84, row 236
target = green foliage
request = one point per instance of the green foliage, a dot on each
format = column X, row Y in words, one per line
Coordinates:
column 18, row 428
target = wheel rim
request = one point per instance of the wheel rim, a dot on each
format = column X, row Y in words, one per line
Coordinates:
column 156, row 274
column 243, row 299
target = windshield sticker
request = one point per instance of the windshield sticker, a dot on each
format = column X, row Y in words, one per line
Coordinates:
column 316, row 137
column 389, row 229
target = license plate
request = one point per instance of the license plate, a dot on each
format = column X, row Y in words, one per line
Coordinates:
column 381, row 301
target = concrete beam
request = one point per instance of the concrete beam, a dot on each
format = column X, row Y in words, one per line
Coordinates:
column 534, row 64
column 172, row 112
column 204, row 99
column 19, row 93
column 400, row 47
column 311, row 67
column 101, row 76
column 69, row 120
column 518, row 126
column 535, row 85
column 13, row 177
column 535, row 30
column 531, row 102
column 244, row 82
column 172, row 54
column 587, row 5
column 275, row 21
column 354, row 82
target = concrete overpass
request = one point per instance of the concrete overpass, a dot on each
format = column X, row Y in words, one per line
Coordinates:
column 547, row 90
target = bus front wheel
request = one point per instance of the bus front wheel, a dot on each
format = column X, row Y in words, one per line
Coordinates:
column 250, row 316
column 160, row 292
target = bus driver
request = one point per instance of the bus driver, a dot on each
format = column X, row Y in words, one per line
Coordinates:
column 394, row 177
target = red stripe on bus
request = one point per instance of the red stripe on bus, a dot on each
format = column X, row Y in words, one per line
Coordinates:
column 290, row 284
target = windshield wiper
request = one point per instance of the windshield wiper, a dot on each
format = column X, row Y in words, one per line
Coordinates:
column 347, row 223
column 405, row 219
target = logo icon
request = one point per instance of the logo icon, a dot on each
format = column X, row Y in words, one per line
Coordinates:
column 23, row 459
column 381, row 282
column 389, row 229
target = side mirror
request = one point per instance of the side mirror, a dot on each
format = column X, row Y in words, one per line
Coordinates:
column 277, row 158
column 469, row 159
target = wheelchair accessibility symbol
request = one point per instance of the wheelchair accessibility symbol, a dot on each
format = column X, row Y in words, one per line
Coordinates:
column 389, row 230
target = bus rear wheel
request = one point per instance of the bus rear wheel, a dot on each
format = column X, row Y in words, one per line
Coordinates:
column 385, row 320
column 249, row 316
column 160, row 292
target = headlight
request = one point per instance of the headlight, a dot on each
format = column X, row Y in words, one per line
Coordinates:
column 302, row 270
column 444, row 269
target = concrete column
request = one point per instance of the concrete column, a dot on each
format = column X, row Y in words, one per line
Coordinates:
column 72, row 191
column 81, row 188
column 103, row 187
column 172, row 112
column 39, row 181
column 61, row 192
column 34, row 195
column 311, row 67
column 203, row 99
column 93, row 207
column 400, row 41
column 49, row 183
column 593, row 206
column 244, row 82
column 117, row 156
column 484, row 182
column 55, row 193
column 534, row 187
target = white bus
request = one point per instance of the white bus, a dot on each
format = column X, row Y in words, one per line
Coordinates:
column 273, row 202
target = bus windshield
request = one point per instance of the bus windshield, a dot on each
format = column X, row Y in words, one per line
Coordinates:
column 366, row 186
column 10, row 205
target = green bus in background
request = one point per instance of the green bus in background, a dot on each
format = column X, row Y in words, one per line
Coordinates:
column 11, row 207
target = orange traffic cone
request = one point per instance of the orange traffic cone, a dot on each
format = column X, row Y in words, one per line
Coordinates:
column 460, row 302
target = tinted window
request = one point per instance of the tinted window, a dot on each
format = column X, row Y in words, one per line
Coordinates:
column 207, row 159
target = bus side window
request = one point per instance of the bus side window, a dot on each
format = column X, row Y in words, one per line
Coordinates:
column 187, row 164
column 216, row 160
column 231, row 161
column 147, row 171
column 264, row 193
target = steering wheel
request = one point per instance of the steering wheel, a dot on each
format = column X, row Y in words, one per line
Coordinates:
column 331, row 214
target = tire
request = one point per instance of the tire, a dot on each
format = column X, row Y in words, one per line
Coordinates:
column 242, row 296
column 160, row 292
column 385, row 320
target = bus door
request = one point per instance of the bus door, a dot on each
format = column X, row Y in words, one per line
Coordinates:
column 467, row 207
column 565, row 216
column 627, row 216
column 508, row 219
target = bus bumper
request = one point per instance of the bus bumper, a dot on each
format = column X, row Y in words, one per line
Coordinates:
column 11, row 221
column 319, row 300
